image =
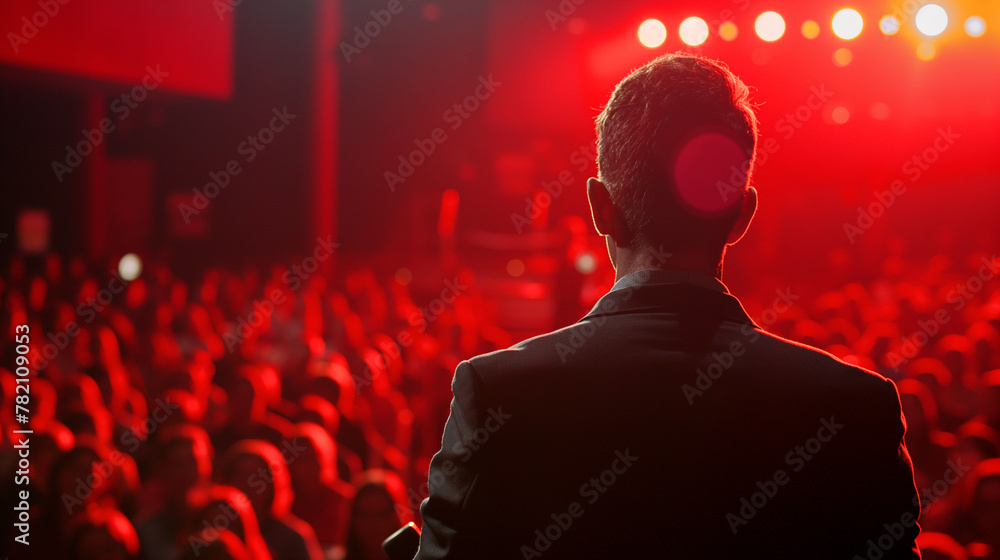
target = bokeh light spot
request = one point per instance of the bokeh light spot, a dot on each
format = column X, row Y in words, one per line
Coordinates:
column 842, row 57
column 847, row 23
column 931, row 20
column 889, row 25
column 652, row 33
column 926, row 51
column 515, row 267
column 728, row 31
column 810, row 29
column 879, row 111
column 130, row 267
column 404, row 276
column 770, row 26
column 693, row 31
column 586, row 263
column 840, row 115
column 975, row 26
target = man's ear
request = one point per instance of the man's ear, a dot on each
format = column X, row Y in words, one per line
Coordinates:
column 747, row 209
column 601, row 208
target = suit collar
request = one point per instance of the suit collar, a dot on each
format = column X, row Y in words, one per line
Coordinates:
column 671, row 297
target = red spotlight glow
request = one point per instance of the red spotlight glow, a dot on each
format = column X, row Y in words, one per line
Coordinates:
column 840, row 115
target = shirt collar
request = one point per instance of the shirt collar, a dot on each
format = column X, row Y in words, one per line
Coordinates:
column 702, row 301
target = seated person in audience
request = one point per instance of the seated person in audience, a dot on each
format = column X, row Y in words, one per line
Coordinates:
column 70, row 497
column 183, row 462
column 984, row 338
column 216, row 544
column 47, row 445
column 958, row 397
column 321, row 497
column 103, row 534
column 257, row 469
column 989, row 399
column 929, row 445
column 976, row 442
column 212, row 508
column 980, row 522
column 939, row 546
column 332, row 381
column 387, row 414
column 81, row 408
column 316, row 409
column 247, row 413
column 378, row 510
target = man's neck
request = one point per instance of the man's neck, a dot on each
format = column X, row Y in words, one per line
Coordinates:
column 628, row 261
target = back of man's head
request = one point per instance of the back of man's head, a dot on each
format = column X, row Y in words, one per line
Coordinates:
column 675, row 151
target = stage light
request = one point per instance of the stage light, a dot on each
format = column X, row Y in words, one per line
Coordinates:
column 728, row 31
column 842, row 57
column 840, row 115
column 975, row 26
column 515, row 267
column 810, row 29
column 652, row 33
column 694, row 31
column 847, row 24
column 931, row 20
column 926, row 51
column 769, row 26
column 130, row 267
column 889, row 25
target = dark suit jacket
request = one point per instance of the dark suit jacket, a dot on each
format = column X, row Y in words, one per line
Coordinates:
column 666, row 424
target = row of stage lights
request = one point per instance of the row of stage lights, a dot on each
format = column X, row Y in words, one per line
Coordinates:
column 931, row 20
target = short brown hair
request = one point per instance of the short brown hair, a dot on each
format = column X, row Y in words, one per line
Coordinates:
column 652, row 113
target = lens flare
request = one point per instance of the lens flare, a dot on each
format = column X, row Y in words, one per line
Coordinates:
column 704, row 174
